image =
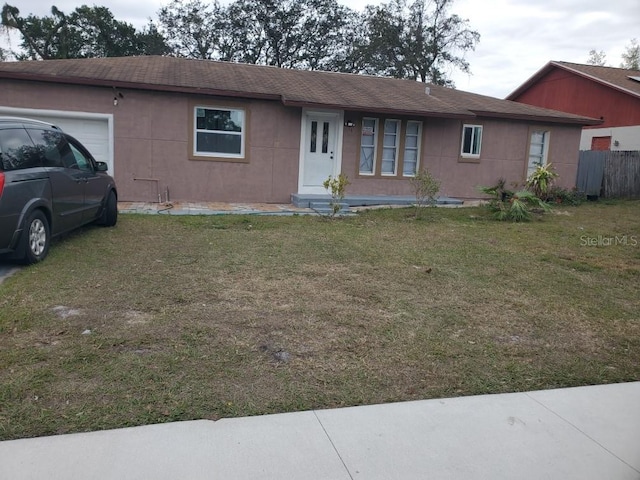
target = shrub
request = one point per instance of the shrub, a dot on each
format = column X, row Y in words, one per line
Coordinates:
column 559, row 195
column 426, row 187
column 336, row 186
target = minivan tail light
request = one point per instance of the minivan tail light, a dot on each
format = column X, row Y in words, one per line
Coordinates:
column 1, row 182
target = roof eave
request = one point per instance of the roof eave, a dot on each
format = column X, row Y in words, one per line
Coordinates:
column 530, row 81
column 98, row 82
column 386, row 111
column 541, row 118
column 460, row 114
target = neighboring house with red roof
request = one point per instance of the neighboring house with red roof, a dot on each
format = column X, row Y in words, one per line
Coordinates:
column 216, row 131
column 610, row 94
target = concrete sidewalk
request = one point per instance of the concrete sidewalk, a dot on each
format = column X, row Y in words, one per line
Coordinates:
column 577, row 433
column 211, row 208
column 219, row 208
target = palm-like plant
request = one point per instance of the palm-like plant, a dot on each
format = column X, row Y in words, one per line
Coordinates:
column 541, row 179
column 513, row 206
column 518, row 207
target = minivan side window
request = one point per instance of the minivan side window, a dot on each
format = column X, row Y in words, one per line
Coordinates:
column 82, row 161
column 53, row 147
column 17, row 150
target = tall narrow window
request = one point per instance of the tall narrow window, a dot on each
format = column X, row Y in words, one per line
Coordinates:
column 314, row 136
column 325, row 137
column 471, row 140
column 390, row 147
column 411, row 149
column 538, row 148
column 368, row 146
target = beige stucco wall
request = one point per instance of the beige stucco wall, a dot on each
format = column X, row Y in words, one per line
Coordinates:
column 504, row 154
column 151, row 147
column 161, row 148
column 151, row 143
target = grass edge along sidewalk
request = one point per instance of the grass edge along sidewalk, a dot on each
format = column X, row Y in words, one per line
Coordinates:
column 176, row 318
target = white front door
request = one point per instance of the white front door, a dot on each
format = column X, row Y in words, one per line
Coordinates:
column 319, row 157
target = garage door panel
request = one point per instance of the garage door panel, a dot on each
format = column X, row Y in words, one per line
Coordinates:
column 93, row 133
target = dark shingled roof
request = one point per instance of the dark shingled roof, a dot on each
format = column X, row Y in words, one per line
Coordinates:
column 622, row 79
column 291, row 87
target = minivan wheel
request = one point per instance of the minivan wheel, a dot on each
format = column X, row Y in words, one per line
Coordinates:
column 36, row 238
column 110, row 213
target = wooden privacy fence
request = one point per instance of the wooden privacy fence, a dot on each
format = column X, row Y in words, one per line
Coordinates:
column 610, row 174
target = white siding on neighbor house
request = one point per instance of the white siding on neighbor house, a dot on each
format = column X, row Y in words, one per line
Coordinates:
column 628, row 138
column 93, row 130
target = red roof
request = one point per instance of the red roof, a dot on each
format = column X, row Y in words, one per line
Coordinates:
column 291, row 87
column 621, row 79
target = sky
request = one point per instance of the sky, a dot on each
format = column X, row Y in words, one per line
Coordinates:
column 518, row 37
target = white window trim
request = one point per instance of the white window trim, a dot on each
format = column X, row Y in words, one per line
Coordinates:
column 397, row 147
column 418, row 149
column 242, row 133
column 471, row 155
column 376, row 129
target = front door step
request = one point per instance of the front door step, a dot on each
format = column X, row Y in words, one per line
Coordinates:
column 325, row 207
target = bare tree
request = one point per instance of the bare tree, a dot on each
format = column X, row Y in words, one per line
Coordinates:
column 597, row 58
column 631, row 56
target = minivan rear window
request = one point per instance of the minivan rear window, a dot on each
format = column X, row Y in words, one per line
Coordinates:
column 17, row 150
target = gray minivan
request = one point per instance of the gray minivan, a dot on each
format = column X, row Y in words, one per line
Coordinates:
column 49, row 184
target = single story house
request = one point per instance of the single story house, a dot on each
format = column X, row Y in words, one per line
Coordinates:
column 610, row 94
column 199, row 130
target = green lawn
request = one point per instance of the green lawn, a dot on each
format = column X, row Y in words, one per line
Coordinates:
column 175, row 318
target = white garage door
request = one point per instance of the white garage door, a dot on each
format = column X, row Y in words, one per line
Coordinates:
column 91, row 130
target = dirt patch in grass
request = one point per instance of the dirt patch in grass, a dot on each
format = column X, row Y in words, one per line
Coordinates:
column 175, row 318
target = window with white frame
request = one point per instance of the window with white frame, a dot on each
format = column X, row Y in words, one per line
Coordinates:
column 471, row 141
column 411, row 148
column 219, row 132
column 390, row 147
column 538, row 150
column 368, row 146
